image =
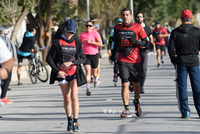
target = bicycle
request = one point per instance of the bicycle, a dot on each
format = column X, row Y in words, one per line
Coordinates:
column 37, row 69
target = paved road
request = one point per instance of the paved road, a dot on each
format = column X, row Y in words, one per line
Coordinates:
column 38, row 109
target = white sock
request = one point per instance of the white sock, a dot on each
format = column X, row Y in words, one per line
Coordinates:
column 96, row 79
column 88, row 86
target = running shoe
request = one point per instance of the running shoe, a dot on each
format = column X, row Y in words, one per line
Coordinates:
column 162, row 61
column 131, row 87
column 96, row 84
column 70, row 126
column 126, row 114
column 92, row 80
column 158, row 65
column 19, row 83
column 142, row 91
column 88, row 92
column 6, row 101
column 186, row 115
column 115, row 78
column 138, row 110
column 99, row 81
column 75, row 127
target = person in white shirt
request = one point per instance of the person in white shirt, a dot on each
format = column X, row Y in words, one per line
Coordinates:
column 6, row 61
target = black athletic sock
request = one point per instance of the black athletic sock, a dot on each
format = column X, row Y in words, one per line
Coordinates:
column 75, row 120
column 69, row 118
column 126, row 107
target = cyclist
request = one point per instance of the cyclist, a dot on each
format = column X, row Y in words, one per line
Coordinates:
column 129, row 60
column 25, row 48
column 91, row 41
column 64, row 57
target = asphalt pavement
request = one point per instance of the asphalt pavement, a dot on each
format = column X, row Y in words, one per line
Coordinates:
column 38, row 109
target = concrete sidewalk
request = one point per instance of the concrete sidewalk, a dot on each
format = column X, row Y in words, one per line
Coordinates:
column 38, row 109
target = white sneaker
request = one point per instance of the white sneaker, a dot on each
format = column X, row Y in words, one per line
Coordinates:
column 96, row 84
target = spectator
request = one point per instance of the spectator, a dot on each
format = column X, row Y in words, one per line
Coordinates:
column 184, row 49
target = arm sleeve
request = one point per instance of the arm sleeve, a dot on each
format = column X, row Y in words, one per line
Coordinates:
column 171, row 49
column 50, row 57
column 115, row 46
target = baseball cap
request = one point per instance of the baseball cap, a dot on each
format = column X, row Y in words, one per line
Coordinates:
column 186, row 14
column 70, row 26
column 119, row 20
column 157, row 22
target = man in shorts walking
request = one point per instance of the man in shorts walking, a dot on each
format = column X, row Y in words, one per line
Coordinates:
column 126, row 38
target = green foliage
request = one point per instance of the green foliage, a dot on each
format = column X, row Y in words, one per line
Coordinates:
column 9, row 11
column 61, row 10
column 27, row 3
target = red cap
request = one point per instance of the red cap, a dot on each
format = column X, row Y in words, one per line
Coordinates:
column 186, row 14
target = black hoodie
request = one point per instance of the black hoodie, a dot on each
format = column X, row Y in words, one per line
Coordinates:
column 184, row 45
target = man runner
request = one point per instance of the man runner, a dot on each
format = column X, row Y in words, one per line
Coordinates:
column 126, row 38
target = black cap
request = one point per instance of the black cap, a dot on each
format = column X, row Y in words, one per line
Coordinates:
column 157, row 22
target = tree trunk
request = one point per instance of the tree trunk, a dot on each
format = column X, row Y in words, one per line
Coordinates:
column 41, row 29
column 13, row 37
column 48, row 28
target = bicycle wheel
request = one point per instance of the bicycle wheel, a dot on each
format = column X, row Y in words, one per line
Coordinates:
column 42, row 72
column 32, row 73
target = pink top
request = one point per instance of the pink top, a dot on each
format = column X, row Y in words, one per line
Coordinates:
column 89, row 49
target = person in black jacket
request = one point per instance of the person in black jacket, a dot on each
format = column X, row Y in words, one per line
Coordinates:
column 25, row 49
column 184, row 49
column 65, row 58
column 60, row 30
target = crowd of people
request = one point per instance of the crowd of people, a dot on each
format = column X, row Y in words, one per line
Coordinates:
column 129, row 46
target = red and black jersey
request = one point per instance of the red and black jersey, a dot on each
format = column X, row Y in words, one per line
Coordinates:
column 66, row 53
column 128, row 52
column 159, row 40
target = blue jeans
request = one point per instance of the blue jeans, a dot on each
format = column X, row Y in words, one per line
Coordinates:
column 194, row 74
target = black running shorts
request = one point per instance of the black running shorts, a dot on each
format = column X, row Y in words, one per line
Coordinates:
column 161, row 47
column 92, row 60
column 134, row 70
column 20, row 58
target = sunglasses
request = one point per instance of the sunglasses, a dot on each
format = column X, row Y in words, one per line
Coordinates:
column 69, row 32
column 88, row 25
column 139, row 16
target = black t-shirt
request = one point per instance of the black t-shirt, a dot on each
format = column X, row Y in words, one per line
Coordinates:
column 148, row 31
